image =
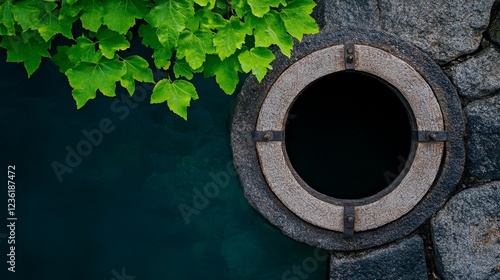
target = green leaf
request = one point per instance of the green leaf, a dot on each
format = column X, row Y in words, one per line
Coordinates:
column 206, row 19
column 62, row 60
column 225, row 72
column 137, row 68
column 182, row 69
column 28, row 13
column 211, row 20
column 261, row 7
column 92, row 14
column 258, row 60
column 120, row 15
column 208, row 3
column 241, row 7
column 297, row 19
column 86, row 78
column 194, row 46
column 221, row 4
column 111, row 41
column 161, row 54
column 230, row 37
column 270, row 30
column 70, row 9
column 42, row 16
column 149, row 38
column 178, row 95
column 169, row 18
column 7, row 18
column 29, row 49
column 84, row 50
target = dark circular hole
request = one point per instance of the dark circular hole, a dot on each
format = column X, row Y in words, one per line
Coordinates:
column 348, row 135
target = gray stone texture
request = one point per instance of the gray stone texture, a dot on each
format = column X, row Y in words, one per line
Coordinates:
column 444, row 29
column 466, row 234
column 494, row 30
column 483, row 138
column 362, row 13
column 479, row 75
column 404, row 260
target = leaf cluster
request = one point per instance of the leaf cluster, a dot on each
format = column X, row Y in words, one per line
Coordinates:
column 91, row 41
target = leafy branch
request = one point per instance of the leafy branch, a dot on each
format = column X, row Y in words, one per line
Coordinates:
column 88, row 40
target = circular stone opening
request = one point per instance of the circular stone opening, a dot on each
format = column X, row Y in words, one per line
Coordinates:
column 348, row 135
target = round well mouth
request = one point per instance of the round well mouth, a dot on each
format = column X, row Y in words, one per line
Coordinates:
column 428, row 111
column 348, row 135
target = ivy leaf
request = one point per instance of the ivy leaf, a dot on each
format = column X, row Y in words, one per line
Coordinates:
column 62, row 60
column 258, row 60
column 194, row 46
column 225, row 72
column 111, row 41
column 182, row 69
column 241, row 7
column 270, row 30
column 70, row 8
column 84, row 50
column 27, row 13
column 178, row 95
column 137, row 68
column 29, row 49
column 120, row 15
column 86, row 78
column 161, row 55
column 53, row 24
column 7, row 18
column 261, row 7
column 230, row 37
column 92, row 14
column 42, row 16
column 211, row 20
column 297, row 19
column 208, row 3
column 206, row 19
column 170, row 18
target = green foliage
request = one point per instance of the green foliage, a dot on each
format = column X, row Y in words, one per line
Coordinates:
column 90, row 41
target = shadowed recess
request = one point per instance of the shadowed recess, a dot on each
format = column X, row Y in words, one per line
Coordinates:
column 348, row 135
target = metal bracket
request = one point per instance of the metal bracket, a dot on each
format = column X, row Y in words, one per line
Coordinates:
column 431, row 136
column 268, row 135
column 349, row 55
column 348, row 221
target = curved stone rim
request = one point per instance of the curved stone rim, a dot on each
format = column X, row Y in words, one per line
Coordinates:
column 372, row 213
column 267, row 204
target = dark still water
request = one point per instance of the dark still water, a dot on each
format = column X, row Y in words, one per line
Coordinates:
column 124, row 171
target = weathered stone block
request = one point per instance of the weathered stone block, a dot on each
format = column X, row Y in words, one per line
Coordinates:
column 483, row 140
column 494, row 30
column 444, row 29
column 403, row 260
column 466, row 234
column 478, row 76
column 361, row 13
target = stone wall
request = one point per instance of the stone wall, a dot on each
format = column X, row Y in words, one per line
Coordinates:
column 462, row 241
